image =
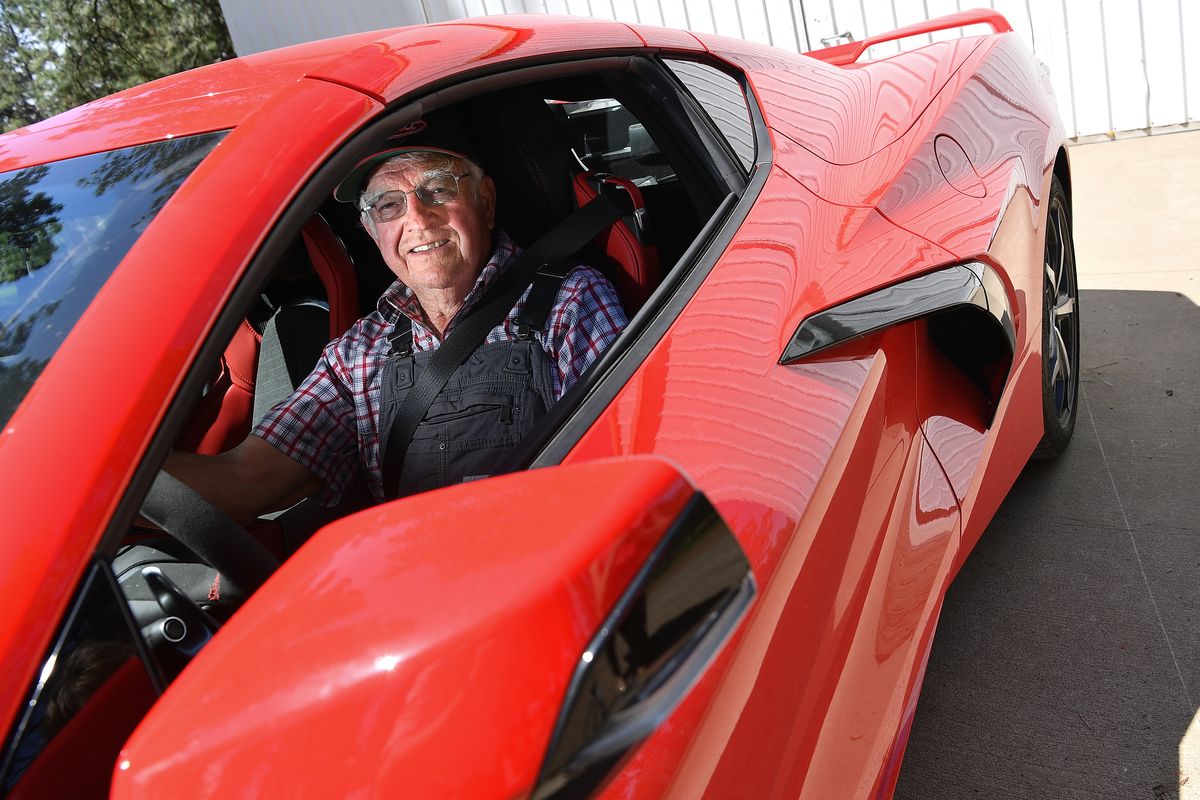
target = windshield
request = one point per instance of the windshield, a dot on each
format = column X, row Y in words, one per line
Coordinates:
column 64, row 227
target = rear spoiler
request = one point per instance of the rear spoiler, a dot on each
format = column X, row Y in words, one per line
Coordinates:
column 845, row 54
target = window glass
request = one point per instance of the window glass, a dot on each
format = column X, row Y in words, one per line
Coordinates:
column 606, row 137
column 64, row 227
column 721, row 96
column 94, row 662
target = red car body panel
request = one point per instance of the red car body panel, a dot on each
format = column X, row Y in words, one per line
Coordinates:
column 668, row 38
column 855, row 487
column 401, row 61
column 793, row 486
column 790, row 282
column 994, row 143
column 211, row 98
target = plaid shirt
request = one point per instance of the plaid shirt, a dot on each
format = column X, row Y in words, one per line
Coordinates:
column 330, row 424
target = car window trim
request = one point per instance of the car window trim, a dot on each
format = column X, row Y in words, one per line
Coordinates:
column 664, row 61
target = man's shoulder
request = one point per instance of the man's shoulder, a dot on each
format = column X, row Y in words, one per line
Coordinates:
column 360, row 336
column 582, row 276
column 587, row 293
column 378, row 320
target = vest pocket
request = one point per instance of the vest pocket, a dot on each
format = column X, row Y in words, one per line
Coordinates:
column 460, row 443
column 453, row 423
column 443, row 413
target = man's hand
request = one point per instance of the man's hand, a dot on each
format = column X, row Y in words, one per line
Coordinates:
column 251, row 479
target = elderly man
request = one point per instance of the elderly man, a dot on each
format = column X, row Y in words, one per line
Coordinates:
column 431, row 211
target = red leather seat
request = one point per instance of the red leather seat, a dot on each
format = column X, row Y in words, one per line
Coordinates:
column 336, row 272
column 627, row 243
column 223, row 417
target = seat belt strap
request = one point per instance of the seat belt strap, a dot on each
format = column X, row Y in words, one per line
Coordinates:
column 536, row 309
column 555, row 246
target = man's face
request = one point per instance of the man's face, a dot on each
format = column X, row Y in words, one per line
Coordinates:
column 435, row 247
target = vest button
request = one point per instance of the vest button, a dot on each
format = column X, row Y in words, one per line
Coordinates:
column 442, row 446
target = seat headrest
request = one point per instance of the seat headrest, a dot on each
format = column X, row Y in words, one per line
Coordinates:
column 527, row 153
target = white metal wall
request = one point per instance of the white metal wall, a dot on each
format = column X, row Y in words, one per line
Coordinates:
column 1117, row 65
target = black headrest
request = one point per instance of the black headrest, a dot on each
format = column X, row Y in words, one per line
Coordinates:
column 526, row 152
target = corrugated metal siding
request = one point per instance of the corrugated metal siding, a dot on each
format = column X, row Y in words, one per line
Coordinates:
column 1117, row 65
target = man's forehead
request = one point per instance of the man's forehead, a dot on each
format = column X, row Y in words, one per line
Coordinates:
column 392, row 171
column 410, row 170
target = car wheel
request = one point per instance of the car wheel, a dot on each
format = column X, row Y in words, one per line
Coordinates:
column 1060, row 329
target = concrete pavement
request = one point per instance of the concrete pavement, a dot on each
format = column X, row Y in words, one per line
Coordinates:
column 1067, row 658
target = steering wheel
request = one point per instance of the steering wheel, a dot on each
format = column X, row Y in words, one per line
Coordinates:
column 242, row 561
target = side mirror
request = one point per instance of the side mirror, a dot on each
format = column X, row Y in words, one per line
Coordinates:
column 668, row 625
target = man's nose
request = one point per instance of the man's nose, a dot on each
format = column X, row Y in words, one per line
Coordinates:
column 417, row 211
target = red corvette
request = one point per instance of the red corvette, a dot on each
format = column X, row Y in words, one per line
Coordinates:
column 717, row 566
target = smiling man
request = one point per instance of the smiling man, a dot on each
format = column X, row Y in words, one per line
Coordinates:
column 430, row 209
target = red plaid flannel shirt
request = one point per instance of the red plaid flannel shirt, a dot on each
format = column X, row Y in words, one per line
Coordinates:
column 330, row 424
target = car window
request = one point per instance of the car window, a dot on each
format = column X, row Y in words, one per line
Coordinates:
column 95, row 662
column 64, row 227
column 607, row 138
column 722, row 97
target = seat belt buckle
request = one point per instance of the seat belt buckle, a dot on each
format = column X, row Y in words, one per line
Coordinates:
column 401, row 343
column 543, row 288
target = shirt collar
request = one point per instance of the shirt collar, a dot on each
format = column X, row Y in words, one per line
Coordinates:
column 399, row 299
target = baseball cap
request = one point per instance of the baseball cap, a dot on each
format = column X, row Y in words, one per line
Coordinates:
column 435, row 134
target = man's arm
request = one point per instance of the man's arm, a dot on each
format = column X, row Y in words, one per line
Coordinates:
column 251, row 479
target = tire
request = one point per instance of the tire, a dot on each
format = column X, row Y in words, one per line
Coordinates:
column 1060, row 328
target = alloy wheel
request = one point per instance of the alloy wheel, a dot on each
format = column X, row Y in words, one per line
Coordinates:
column 1062, row 299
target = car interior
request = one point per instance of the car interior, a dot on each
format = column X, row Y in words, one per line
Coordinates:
column 550, row 146
column 677, row 139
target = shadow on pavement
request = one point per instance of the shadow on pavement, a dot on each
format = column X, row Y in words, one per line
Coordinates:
column 1067, row 659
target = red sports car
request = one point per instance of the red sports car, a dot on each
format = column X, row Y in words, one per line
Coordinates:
column 715, row 568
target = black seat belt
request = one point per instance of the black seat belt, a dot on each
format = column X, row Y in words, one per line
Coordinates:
column 556, row 245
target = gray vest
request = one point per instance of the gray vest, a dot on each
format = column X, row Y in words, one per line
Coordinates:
column 489, row 405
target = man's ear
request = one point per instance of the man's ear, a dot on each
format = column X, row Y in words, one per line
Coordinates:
column 487, row 197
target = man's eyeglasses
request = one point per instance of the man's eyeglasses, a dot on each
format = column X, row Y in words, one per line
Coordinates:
column 435, row 191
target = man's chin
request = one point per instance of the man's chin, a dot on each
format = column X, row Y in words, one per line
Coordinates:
column 435, row 274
